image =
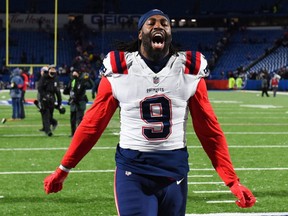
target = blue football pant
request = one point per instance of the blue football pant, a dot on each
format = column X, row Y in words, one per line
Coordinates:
column 145, row 195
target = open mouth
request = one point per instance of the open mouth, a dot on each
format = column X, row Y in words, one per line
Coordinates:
column 158, row 41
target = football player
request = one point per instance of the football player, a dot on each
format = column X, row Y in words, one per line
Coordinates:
column 155, row 86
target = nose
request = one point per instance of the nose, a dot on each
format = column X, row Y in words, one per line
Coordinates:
column 158, row 25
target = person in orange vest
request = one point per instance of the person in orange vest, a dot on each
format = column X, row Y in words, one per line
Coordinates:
column 274, row 82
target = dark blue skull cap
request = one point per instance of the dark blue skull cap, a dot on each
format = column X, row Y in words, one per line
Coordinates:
column 150, row 13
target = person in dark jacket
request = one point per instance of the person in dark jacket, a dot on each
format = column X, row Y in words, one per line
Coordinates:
column 44, row 70
column 49, row 92
column 264, row 85
column 76, row 88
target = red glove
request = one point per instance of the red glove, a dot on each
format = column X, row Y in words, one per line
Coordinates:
column 54, row 182
column 245, row 197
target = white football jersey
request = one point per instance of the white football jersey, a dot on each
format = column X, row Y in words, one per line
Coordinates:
column 153, row 106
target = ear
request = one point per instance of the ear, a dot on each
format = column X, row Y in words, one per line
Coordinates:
column 140, row 35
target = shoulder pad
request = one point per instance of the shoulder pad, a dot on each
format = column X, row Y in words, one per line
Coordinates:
column 118, row 62
column 196, row 64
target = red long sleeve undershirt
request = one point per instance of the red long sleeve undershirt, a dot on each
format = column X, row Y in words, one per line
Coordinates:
column 92, row 126
column 210, row 134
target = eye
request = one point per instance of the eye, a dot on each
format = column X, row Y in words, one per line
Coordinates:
column 151, row 22
column 164, row 22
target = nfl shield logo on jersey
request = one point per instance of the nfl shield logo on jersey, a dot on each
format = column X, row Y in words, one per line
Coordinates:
column 155, row 80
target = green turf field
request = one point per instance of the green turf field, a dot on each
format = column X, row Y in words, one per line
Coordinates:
column 256, row 129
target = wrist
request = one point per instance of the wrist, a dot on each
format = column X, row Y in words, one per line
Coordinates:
column 231, row 184
column 65, row 169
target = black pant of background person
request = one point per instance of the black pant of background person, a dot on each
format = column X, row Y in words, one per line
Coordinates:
column 48, row 120
column 42, row 119
column 265, row 91
column 22, row 115
column 75, row 119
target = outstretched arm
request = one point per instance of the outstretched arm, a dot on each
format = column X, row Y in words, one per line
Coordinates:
column 92, row 126
column 211, row 136
column 87, row 134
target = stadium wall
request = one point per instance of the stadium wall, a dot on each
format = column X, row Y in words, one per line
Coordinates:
column 249, row 85
column 217, row 84
column 93, row 21
column 256, row 85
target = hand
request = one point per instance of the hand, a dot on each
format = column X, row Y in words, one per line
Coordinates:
column 54, row 182
column 245, row 197
column 59, row 105
column 13, row 85
column 62, row 109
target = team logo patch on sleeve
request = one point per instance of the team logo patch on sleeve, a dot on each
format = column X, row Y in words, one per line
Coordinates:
column 102, row 70
column 206, row 71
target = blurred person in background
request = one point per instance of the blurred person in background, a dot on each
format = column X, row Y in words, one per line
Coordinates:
column 155, row 87
column 97, row 80
column 264, row 85
column 239, row 82
column 16, row 85
column 274, row 83
column 43, row 70
column 80, row 82
column 231, row 81
column 49, row 93
column 25, row 77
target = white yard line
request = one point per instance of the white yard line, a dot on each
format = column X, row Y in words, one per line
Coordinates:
column 117, row 134
column 204, row 183
column 107, row 171
column 216, row 191
column 255, row 124
column 234, row 124
column 257, row 132
column 113, row 148
column 200, row 176
column 48, row 172
column 50, row 149
column 245, row 169
column 242, row 214
column 220, row 201
column 255, row 146
column 254, row 117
